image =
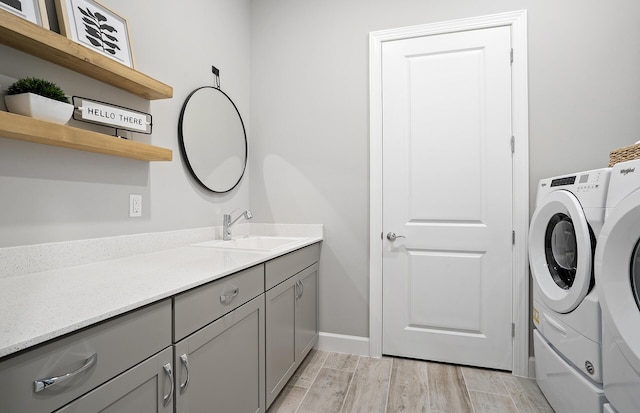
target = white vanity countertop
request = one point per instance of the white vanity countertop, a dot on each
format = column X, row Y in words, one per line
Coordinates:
column 44, row 305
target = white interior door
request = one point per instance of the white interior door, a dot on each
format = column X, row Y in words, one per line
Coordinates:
column 447, row 189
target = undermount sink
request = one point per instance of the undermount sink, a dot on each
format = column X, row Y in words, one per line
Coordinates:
column 250, row 243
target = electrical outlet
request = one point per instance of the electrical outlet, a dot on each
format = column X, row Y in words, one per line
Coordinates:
column 135, row 205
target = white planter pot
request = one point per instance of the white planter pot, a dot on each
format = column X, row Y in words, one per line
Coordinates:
column 39, row 107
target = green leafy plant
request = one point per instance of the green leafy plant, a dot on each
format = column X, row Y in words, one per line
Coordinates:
column 39, row 87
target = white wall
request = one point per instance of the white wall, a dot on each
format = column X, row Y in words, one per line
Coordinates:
column 309, row 109
column 51, row 194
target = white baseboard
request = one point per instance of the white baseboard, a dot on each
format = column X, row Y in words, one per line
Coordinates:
column 341, row 343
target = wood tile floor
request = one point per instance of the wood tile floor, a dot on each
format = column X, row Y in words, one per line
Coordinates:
column 336, row 382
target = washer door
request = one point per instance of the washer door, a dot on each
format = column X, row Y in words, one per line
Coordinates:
column 617, row 270
column 561, row 251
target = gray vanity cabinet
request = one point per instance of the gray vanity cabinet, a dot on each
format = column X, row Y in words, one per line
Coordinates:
column 226, row 346
column 291, row 314
column 221, row 366
column 97, row 367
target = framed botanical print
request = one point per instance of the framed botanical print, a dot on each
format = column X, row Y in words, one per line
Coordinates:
column 95, row 26
column 33, row 10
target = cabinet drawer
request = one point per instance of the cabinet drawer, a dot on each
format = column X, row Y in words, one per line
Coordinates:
column 146, row 387
column 117, row 344
column 281, row 268
column 196, row 308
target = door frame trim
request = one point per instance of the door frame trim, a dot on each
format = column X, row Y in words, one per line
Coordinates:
column 517, row 20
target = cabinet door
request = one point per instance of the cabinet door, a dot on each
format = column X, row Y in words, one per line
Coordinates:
column 221, row 368
column 306, row 312
column 145, row 388
column 281, row 345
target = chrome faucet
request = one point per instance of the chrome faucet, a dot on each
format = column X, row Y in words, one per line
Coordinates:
column 227, row 223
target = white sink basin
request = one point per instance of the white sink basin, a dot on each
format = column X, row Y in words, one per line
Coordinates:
column 251, row 243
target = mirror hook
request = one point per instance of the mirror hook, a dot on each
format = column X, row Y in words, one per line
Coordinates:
column 216, row 76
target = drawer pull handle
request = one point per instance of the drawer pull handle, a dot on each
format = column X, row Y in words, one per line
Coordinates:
column 185, row 362
column 167, row 369
column 227, row 298
column 42, row 384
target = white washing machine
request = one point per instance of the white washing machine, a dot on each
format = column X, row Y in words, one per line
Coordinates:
column 569, row 215
column 617, row 270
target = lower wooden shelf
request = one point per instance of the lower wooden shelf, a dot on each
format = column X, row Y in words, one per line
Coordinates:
column 23, row 128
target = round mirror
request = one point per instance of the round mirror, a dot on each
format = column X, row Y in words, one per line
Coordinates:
column 212, row 139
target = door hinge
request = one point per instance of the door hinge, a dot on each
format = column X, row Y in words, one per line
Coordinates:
column 511, row 55
column 513, row 330
column 513, row 237
column 513, row 144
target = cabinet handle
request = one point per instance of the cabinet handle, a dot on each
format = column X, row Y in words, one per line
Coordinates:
column 227, row 298
column 185, row 362
column 299, row 290
column 167, row 369
column 42, row 384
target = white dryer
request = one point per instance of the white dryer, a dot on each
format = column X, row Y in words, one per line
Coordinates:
column 569, row 214
column 617, row 270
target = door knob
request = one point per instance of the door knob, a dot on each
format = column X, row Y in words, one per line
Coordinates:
column 391, row 236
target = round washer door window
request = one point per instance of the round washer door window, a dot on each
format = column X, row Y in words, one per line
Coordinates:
column 560, row 248
column 635, row 273
column 561, row 251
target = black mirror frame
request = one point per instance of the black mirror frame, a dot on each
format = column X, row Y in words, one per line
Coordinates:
column 184, row 151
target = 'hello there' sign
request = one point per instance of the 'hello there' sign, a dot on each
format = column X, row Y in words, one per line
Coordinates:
column 118, row 117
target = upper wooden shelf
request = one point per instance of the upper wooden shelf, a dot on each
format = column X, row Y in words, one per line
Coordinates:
column 23, row 128
column 30, row 38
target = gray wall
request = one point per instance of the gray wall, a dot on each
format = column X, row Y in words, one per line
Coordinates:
column 51, row 194
column 309, row 109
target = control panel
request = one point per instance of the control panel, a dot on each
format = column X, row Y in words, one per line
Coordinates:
column 585, row 181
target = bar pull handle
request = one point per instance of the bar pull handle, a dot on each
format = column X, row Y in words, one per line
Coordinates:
column 227, row 298
column 185, row 362
column 167, row 370
column 299, row 290
column 42, row 384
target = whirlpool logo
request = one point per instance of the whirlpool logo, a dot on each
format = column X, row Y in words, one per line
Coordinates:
column 627, row 171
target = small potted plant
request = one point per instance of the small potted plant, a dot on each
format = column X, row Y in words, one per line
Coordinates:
column 39, row 99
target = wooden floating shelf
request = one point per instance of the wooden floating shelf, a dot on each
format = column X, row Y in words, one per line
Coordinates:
column 30, row 38
column 23, row 128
